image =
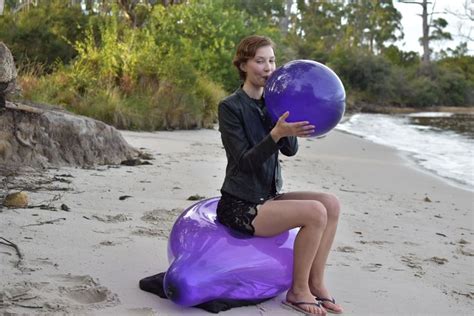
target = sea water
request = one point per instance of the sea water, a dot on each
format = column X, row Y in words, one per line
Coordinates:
column 440, row 142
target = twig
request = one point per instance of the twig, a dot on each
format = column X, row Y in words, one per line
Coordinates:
column 48, row 205
column 13, row 245
column 354, row 191
column 46, row 222
column 27, row 306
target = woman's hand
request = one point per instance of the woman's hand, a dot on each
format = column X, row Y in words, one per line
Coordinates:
column 283, row 128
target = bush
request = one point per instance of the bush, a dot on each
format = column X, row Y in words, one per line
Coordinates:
column 121, row 76
column 44, row 33
column 365, row 73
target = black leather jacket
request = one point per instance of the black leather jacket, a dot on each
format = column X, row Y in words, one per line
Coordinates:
column 253, row 171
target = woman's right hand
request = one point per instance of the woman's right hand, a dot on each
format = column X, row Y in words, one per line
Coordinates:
column 283, row 128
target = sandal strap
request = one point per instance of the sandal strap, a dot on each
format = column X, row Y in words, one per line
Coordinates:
column 317, row 304
column 325, row 299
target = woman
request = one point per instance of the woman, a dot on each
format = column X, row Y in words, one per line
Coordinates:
column 250, row 200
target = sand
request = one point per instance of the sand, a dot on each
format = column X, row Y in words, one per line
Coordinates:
column 404, row 243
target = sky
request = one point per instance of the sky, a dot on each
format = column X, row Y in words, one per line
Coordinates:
column 412, row 24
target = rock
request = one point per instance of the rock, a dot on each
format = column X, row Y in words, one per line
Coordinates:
column 7, row 65
column 41, row 136
column 7, row 74
column 16, row 200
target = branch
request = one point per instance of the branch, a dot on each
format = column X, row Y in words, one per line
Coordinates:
column 413, row 2
column 13, row 245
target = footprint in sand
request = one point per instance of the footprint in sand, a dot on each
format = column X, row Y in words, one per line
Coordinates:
column 87, row 295
column 372, row 267
column 162, row 221
column 112, row 218
column 68, row 294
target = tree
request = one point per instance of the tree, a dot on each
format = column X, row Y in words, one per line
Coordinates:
column 466, row 14
column 318, row 28
column 438, row 25
column 372, row 23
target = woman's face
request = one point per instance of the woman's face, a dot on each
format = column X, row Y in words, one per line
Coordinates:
column 260, row 67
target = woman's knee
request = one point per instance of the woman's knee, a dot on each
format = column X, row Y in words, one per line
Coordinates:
column 316, row 214
column 333, row 206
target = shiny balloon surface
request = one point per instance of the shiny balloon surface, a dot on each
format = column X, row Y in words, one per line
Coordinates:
column 209, row 261
column 310, row 91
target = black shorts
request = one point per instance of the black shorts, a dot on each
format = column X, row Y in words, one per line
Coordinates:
column 236, row 213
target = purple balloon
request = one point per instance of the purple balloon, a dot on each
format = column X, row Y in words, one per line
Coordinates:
column 209, row 261
column 310, row 91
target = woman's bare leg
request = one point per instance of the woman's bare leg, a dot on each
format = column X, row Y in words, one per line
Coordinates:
column 275, row 217
column 316, row 278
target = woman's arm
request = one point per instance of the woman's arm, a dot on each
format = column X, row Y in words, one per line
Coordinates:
column 236, row 143
column 285, row 133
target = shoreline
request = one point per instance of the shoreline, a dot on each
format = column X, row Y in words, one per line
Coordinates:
column 381, row 109
column 405, row 239
column 413, row 162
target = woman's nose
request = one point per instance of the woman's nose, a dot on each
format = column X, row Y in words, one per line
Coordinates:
column 268, row 67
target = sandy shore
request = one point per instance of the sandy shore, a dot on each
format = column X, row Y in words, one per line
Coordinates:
column 404, row 244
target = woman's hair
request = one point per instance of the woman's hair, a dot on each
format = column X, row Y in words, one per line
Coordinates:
column 246, row 50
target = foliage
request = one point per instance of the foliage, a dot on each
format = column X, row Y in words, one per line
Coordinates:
column 365, row 73
column 204, row 36
column 372, row 23
column 401, row 58
column 152, row 65
column 43, row 34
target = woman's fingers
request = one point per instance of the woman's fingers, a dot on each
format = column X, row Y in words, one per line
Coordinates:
column 300, row 129
column 304, row 129
column 284, row 116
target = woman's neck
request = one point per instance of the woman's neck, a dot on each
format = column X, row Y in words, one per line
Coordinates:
column 253, row 91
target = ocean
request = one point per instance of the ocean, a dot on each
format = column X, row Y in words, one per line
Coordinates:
column 440, row 142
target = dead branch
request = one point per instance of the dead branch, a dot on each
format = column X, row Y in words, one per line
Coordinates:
column 8, row 243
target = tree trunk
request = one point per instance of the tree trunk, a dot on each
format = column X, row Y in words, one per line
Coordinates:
column 426, row 32
column 2, row 5
column 285, row 20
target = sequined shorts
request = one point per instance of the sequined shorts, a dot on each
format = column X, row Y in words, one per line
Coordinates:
column 237, row 214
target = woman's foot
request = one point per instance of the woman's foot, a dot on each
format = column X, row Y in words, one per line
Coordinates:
column 304, row 302
column 326, row 300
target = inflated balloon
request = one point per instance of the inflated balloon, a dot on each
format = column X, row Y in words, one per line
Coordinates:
column 310, row 91
column 209, row 261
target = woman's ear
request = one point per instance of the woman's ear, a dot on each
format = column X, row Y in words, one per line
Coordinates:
column 243, row 67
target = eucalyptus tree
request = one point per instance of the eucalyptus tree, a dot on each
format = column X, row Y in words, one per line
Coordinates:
column 373, row 23
column 433, row 29
column 318, row 28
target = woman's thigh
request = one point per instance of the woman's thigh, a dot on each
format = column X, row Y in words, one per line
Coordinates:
column 277, row 216
column 305, row 195
column 330, row 201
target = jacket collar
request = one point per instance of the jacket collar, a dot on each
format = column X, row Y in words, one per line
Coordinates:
column 245, row 97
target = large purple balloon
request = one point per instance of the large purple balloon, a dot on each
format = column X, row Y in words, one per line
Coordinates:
column 310, row 91
column 208, row 261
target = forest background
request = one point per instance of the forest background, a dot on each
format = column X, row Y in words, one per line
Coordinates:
column 165, row 64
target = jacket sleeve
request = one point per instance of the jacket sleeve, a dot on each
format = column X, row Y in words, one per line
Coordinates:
column 236, row 143
column 288, row 145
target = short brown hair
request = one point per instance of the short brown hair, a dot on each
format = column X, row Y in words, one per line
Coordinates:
column 247, row 49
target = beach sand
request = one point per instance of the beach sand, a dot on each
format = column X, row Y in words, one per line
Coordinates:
column 404, row 244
